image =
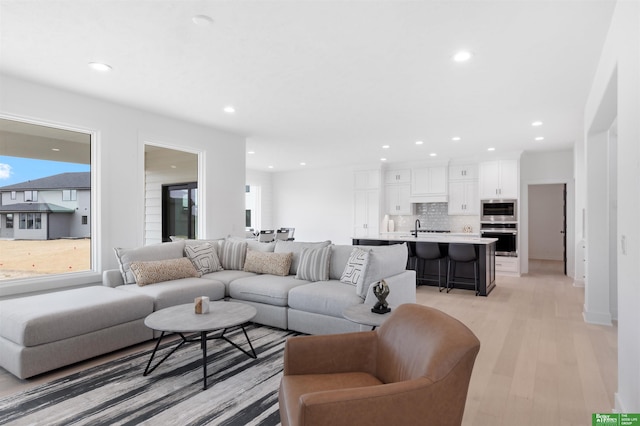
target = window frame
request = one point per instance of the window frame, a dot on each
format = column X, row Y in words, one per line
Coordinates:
column 54, row 282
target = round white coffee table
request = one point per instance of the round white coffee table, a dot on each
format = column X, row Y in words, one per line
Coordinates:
column 361, row 314
column 182, row 319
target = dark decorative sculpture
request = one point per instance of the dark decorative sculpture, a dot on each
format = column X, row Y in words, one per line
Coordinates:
column 381, row 291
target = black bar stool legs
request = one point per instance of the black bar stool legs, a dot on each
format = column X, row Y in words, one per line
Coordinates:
column 426, row 252
column 463, row 253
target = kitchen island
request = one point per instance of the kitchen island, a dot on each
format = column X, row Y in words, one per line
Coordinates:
column 485, row 250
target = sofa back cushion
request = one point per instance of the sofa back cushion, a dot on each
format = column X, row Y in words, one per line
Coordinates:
column 161, row 251
column 296, row 247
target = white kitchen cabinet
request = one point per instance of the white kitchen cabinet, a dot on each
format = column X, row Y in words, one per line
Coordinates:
column 463, row 172
column 366, row 213
column 507, row 265
column 499, row 179
column 463, row 198
column 429, row 181
column 366, row 179
column 397, row 176
column 397, row 199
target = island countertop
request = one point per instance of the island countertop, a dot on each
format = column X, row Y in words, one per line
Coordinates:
column 430, row 237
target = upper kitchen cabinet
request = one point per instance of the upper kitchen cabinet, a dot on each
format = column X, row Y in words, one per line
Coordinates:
column 397, row 199
column 463, row 198
column 429, row 182
column 397, row 176
column 366, row 179
column 499, row 179
column 463, row 172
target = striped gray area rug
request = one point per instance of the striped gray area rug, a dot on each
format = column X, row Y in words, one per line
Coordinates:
column 241, row 390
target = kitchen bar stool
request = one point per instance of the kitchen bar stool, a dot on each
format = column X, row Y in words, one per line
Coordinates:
column 426, row 252
column 463, row 253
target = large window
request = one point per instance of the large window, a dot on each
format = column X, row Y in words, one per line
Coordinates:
column 45, row 197
column 30, row 221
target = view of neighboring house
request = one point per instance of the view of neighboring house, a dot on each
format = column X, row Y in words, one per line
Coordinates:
column 57, row 206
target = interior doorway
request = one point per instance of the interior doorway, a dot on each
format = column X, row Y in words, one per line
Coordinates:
column 548, row 228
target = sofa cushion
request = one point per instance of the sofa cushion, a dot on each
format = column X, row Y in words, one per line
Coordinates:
column 314, row 264
column 44, row 318
column 156, row 271
column 268, row 289
column 384, row 261
column 296, row 247
column 162, row 251
column 268, row 263
column 204, row 257
column 232, row 254
column 227, row 275
column 323, row 297
column 184, row 290
column 353, row 273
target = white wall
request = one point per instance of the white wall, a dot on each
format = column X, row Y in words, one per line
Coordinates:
column 263, row 180
column 547, row 221
column 318, row 203
column 119, row 168
column 545, row 168
column 621, row 58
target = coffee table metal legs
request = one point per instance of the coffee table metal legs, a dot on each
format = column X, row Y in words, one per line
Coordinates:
column 203, row 339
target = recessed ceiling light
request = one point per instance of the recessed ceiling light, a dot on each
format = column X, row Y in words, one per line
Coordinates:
column 462, row 56
column 456, row 138
column 303, row 163
column 540, row 138
column 383, row 159
column 536, row 123
column 419, row 142
column 271, row 167
column 229, row 109
column 433, row 154
column 251, row 152
column 385, row 146
column 491, row 149
column 202, row 20
column 99, row 66
column 55, row 149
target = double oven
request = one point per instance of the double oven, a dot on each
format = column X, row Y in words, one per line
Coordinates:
column 499, row 219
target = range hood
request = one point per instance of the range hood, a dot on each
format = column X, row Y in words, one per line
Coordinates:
column 429, row 199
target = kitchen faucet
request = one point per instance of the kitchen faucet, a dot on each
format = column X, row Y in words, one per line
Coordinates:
column 417, row 226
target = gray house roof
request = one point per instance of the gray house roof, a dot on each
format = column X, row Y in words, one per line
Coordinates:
column 34, row 208
column 71, row 180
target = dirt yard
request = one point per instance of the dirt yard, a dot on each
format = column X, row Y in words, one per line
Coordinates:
column 26, row 258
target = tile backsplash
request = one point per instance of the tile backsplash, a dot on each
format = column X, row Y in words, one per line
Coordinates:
column 435, row 216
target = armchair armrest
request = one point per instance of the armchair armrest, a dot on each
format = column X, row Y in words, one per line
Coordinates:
column 390, row 404
column 335, row 353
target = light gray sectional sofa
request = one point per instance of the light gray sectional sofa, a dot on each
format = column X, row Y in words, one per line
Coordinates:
column 293, row 285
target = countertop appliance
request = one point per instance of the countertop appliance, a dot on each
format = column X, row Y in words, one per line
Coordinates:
column 499, row 211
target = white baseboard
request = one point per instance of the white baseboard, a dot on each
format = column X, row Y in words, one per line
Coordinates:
column 598, row 318
column 578, row 283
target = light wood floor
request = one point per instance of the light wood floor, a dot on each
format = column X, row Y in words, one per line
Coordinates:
column 539, row 362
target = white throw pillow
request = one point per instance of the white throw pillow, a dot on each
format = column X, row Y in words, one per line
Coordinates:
column 232, row 254
column 355, row 269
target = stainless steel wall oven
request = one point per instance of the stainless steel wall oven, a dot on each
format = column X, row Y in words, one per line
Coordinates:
column 507, row 235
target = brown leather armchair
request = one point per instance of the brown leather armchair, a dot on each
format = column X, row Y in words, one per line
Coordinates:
column 413, row 370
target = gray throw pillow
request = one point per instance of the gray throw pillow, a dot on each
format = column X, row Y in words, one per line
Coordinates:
column 314, row 264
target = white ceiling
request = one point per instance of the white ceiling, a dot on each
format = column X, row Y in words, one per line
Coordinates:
column 327, row 82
